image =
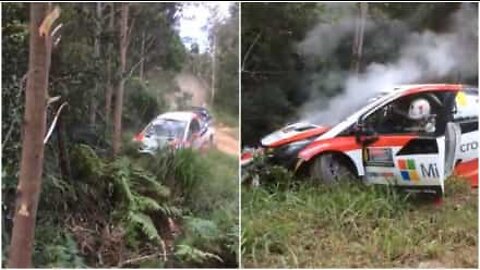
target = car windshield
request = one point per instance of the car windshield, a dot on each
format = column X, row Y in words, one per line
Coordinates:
column 167, row 128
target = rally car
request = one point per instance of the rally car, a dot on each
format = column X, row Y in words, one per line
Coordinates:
column 411, row 136
column 185, row 129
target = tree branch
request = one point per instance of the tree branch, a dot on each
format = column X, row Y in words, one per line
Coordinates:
column 141, row 258
column 250, row 49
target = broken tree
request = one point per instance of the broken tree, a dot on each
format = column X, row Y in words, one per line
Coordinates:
column 31, row 167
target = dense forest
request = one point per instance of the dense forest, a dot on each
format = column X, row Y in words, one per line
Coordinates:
column 106, row 70
column 296, row 59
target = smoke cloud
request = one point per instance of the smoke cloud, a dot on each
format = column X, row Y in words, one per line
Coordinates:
column 423, row 57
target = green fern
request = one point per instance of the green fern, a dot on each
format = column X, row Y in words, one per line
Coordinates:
column 146, row 180
column 171, row 211
column 145, row 223
column 87, row 163
column 143, row 203
column 189, row 253
column 140, row 195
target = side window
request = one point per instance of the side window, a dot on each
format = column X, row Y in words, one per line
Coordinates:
column 423, row 114
column 194, row 127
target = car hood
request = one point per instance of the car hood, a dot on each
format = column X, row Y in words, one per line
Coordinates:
column 291, row 133
column 154, row 143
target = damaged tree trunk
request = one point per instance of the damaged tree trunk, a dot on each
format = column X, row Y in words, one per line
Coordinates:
column 117, row 122
column 31, row 166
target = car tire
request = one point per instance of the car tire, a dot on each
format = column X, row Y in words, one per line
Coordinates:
column 331, row 169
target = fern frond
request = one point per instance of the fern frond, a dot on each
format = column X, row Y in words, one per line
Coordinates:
column 171, row 211
column 187, row 252
column 144, row 179
column 143, row 203
column 145, row 223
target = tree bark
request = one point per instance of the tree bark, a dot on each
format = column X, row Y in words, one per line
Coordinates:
column 63, row 160
column 117, row 123
column 358, row 39
column 96, row 56
column 31, row 166
column 109, row 88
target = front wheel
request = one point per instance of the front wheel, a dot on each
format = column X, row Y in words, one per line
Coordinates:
column 330, row 169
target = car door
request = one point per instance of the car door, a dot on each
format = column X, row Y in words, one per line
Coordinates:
column 404, row 155
column 466, row 116
column 194, row 139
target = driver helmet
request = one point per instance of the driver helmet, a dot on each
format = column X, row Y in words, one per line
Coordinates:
column 419, row 109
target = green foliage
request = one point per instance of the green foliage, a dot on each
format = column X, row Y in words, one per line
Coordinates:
column 227, row 58
column 155, row 23
column 275, row 69
column 116, row 202
column 139, row 195
column 145, row 223
column 14, row 67
column 359, row 226
column 140, row 103
column 55, row 248
column 189, row 253
column 87, row 163
column 270, row 64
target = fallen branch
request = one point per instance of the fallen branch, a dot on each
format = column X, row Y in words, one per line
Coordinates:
column 139, row 259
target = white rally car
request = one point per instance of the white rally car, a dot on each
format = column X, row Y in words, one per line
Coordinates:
column 381, row 145
column 186, row 129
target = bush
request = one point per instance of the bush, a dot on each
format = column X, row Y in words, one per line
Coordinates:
column 142, row 106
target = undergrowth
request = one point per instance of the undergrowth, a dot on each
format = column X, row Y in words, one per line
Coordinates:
column 173, row 208
column 353, row 225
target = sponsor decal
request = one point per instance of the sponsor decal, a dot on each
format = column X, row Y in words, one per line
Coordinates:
column 430, row 170
column 378, row 157
column 468, row 146
column 408, row 170
column 381, row 174
column 461, row 99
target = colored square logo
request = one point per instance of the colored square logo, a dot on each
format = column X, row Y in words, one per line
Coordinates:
column 411, row 164
column 402, row 164
column 405, row 175
column 414, row 176
column 408, row 170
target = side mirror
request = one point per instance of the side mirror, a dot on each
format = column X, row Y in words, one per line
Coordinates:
column 364, row 135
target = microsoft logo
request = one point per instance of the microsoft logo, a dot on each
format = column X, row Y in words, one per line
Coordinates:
column 408, row 170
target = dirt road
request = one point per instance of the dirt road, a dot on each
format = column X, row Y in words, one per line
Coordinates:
column 197, row 88
column 226, row 139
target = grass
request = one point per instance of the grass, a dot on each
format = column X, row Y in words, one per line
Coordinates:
column 358, row 226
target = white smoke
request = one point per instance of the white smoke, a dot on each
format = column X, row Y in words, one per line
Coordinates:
column 424, row 57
